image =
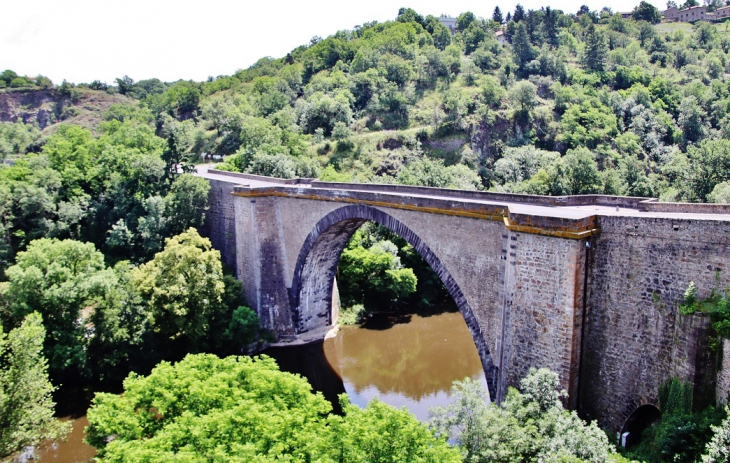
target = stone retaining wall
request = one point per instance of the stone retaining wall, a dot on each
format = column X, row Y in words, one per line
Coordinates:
column 723, row 375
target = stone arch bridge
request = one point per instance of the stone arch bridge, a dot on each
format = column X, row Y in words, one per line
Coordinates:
column 585, row 285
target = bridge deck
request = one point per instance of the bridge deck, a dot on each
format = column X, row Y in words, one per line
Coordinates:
column 522, row 206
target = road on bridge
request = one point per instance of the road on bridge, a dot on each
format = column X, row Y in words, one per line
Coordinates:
column 568, row 212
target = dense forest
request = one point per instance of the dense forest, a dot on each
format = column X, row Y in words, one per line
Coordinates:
column 102, row 258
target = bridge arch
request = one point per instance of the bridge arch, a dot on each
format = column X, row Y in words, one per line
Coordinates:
column 312, row 285
column 641, row 418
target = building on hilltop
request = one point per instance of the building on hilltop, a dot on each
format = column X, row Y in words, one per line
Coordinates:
column 723, row 12
column 449, row 22
column 691, row 14
column 501, row 36
column 671, row 13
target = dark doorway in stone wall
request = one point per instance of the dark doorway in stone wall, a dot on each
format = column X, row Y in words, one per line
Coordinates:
column 641, row 419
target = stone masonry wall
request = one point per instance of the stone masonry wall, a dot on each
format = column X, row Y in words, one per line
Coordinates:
column 544, row 309
column 220, row 223
column 262, row 262
column 634, row 337
column 723, row 375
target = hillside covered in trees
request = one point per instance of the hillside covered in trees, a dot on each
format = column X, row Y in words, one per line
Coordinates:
column 574, row 103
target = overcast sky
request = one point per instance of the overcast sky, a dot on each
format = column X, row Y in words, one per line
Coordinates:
column 84, row 40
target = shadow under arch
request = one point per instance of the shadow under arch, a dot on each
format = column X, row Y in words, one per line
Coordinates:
column 310, row 296
column 640, row 419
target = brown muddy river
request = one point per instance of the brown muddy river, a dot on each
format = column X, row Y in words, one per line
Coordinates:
column 406, row 362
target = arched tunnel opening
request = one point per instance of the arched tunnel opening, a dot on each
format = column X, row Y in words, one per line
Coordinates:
column 642, row 418
column 408, row 331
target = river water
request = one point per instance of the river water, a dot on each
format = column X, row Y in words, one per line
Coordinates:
column 407, row 361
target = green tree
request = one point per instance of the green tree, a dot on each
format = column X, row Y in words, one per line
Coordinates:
column 588, row 124
column 522, row 50
column 497, row 15
column 16, row 139
column 550, row 27
column 373, row 276
column 519, row 13
column 473, row 36
column 647, row 12
column 26, row 405
column 380, row 433
column 125, row 84
column 691, row 119
column 186, row 203
column 71, row 151
column 646, row 32
column 718, row 449
column 529, row 426
column 596, row 50
column 245, row 409
column 465, row 20
column 441, row 36
column 576, row 173
column 7, row 76
column 28, row 205
column 523, row 163
column 237, row 408
column 59, row 279
column 720, row 194
column 524, row 95
column 426, row 172
column 183, row 286
column 709, row 166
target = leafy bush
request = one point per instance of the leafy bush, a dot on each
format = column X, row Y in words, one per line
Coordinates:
column 244, row 409
column 529, row 426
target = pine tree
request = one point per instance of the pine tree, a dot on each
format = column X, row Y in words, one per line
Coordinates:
column 522, row 49
column 519, row 13
column 497, row 15
column 596, row 49
column 550, row 26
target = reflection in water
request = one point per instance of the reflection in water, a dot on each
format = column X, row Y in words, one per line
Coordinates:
column 73, row 450
column 409, row 364
column 310, row 362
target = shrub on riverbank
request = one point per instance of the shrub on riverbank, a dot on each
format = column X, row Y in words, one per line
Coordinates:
column 242, row 409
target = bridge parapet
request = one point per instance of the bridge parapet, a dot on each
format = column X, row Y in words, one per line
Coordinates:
column 548, row 201
column 631, row 202
column 578, row 227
